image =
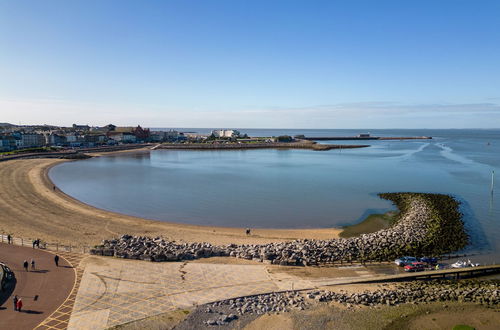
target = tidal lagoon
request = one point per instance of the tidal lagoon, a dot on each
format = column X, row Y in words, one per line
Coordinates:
column 296, row 188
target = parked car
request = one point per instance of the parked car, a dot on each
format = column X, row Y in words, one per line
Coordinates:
column 463, row 264
column 415, row 267
column 429, row 260
column 403, row 261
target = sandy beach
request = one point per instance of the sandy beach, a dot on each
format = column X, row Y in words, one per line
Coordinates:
column 30, row 208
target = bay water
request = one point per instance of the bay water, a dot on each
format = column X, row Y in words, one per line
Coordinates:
column 297, row 188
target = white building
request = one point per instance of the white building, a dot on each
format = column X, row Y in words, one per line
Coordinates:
column 225, row 133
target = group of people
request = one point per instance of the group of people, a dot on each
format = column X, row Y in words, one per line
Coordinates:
column 36, row 243
column 18, row 303
column 25, row 264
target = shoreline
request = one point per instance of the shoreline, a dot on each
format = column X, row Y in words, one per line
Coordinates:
column 31, row 209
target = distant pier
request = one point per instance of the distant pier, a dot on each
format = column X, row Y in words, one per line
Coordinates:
column 339, row 138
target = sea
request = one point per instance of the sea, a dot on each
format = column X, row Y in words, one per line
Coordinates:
column 294, row 188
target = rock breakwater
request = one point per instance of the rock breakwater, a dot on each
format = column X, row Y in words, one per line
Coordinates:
column 481, row 292
column 428, row 224
column 473, row 291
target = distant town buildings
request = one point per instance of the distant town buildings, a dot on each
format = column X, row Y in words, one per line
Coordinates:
column 14, row 137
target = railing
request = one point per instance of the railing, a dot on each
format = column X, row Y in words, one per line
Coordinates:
column 29, row 242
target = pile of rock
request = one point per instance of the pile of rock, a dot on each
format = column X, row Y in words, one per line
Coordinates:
column 221, row 320
column 481, row 292
column 409, row 231
column 261, row 304
column 156, row 249
column 417, row 228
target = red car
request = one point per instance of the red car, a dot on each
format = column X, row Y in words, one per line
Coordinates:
column 415, row 267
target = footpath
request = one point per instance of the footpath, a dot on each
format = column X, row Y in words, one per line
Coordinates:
column 42, row 290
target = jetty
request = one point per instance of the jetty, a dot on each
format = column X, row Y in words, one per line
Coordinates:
column 363, row 137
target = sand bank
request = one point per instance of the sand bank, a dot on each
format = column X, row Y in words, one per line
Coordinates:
column 30, row 208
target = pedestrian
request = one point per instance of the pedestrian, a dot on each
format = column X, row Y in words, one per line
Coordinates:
column 248, row 231
column 34, row 243
column 32, row 264
column 14, row 300
column 19, row 304
column 25, row 265
column 9, row 238
column 54, row 188
column 56, row 260
column 38, row 243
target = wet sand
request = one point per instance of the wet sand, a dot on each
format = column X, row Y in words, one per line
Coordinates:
column 30, row 208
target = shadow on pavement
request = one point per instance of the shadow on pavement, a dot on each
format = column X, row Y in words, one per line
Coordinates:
column 7, row 291
column 29, row 311
column 42, row 271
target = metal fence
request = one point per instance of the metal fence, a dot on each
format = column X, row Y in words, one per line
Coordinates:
column 29, row 242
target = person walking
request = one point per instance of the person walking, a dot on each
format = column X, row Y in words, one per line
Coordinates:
column 248, row 231
column 9, row 238
column 25, row 265
column 19, row 304
column 56, row 260
column 14, row 300
column 34, row 243
column 32, row 264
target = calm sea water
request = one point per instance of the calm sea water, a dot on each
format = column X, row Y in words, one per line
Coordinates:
column 296, row 188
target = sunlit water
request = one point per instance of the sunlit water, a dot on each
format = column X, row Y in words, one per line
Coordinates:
column 296, row 188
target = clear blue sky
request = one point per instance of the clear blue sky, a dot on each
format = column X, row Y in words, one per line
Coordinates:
column 297, row 64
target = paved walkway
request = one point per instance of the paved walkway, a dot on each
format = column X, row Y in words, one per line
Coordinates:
column 60, row 318
column 116, row 291
column 50, row 283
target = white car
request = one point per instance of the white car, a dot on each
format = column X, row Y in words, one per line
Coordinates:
column 463, row 264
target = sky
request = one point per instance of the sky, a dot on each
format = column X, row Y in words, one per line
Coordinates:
column 251, row 64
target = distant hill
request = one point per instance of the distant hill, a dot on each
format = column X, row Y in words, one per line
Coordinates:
column 6, row 125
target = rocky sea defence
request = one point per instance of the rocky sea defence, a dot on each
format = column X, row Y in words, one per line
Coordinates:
column 427, row 224
column 481, row 292
column 420, row 292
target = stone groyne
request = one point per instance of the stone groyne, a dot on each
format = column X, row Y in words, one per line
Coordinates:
column 357, row 138
column 472, row 291
column 270, row 145
column 428, row 224
column 481, row 292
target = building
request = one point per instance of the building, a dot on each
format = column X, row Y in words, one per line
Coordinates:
column 55, row 139
column 124, row 137
column 81, row 127
column 141, row 134
column 93, row 139
column 225, row 133
column 30, row 140
column 8, row 143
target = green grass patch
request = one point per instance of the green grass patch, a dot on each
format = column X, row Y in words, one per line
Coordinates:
column 372, row 223
column 28, row 150
column 463, row 327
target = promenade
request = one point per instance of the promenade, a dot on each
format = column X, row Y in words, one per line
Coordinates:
column 42, row 290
